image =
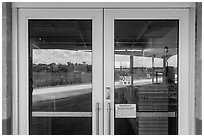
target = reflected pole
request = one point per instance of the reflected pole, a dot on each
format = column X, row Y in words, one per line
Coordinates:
column 165, row 64
column 153, row 69
column 131, row 69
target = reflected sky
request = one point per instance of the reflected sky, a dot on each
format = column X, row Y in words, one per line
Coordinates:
column 48, row 56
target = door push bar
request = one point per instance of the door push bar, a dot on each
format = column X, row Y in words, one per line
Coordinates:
column 109, row 118
column 97, row 118
column 108, row 97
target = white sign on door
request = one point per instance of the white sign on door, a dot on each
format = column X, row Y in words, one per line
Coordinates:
column 125, row 110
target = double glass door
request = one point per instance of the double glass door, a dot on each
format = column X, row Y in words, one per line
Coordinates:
column 110, row 71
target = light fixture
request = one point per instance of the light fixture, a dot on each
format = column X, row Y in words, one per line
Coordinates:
column 166, row 50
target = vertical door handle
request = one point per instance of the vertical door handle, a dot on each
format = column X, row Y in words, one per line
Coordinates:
column 109, row 118
column 97, row 118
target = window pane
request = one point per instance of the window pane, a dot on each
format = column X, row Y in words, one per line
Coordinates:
column 146, row 74
column 60, row 70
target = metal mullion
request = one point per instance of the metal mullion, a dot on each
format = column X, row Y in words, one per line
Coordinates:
column 61, row 114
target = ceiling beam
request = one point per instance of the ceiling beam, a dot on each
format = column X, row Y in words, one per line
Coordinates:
column 78, row 27
column 142, row 32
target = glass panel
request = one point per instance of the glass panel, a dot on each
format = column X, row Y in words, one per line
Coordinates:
column 61, row 126
column 146, row 74
column 60, row 66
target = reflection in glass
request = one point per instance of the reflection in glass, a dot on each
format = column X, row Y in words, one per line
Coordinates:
column 146, row 74
column 61, row 126
column 60, row 68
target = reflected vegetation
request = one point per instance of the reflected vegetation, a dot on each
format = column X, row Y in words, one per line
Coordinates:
column 61, row 74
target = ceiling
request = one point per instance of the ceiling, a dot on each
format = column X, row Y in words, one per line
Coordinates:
column 132, row 37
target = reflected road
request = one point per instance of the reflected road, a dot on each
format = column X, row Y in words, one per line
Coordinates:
column 49, row 93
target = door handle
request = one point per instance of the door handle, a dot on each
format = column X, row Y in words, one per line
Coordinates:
column 109, row 118
column 97, row 118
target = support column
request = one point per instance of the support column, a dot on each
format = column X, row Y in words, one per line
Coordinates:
column 131, row 69
column 164, row 68
column 7, row 68
column 153, row 69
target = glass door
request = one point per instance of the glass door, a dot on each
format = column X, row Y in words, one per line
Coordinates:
column 121, row 71
column 64, row 70
column 145, row 72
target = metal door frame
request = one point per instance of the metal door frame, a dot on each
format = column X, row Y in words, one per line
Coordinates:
column 23, row 67
column 184, row 93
